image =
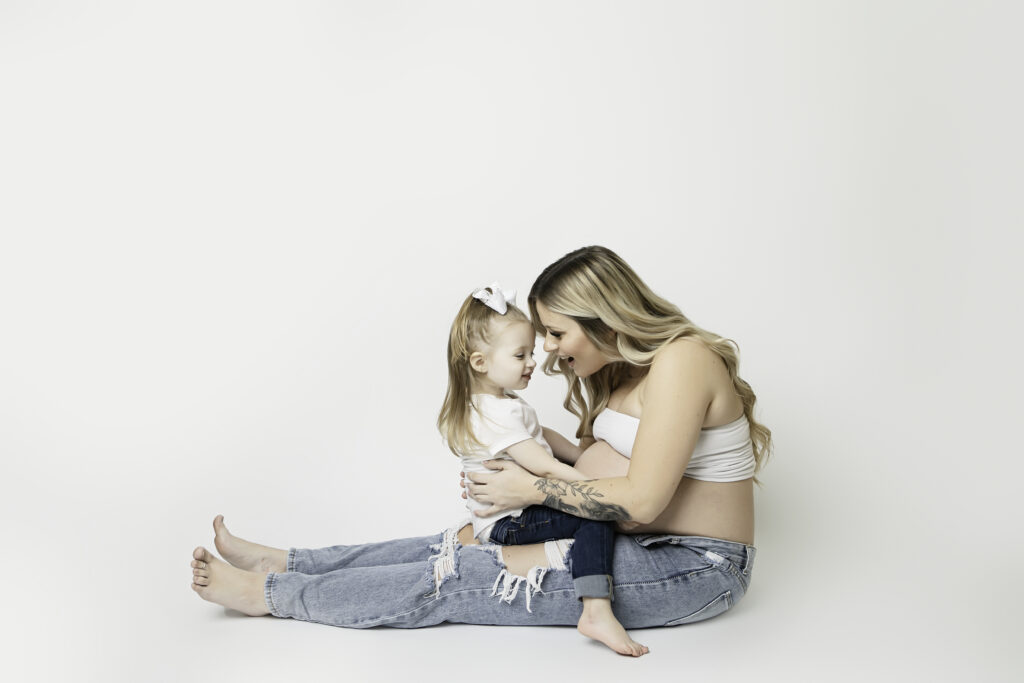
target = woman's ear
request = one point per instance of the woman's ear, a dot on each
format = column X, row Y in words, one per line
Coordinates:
column 478, row 362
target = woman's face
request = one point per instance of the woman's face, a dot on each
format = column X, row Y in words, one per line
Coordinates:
column 564, row 337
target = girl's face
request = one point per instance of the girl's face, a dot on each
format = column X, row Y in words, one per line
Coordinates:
column 506, row 363
column 565, row 337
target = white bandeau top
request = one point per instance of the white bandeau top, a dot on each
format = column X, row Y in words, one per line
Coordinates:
column 722, row 453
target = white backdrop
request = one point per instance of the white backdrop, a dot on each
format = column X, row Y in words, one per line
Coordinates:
column 234, row 235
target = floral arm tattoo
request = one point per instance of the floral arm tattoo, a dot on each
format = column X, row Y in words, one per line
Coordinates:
column 580, row 499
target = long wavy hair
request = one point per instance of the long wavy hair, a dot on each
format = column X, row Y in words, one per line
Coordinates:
column 624, row 319
column 471, row 330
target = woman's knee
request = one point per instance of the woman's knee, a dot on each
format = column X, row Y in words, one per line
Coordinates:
column 466, row 536
column 520, row 559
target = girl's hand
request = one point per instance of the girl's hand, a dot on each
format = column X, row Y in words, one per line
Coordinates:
column 510, row 486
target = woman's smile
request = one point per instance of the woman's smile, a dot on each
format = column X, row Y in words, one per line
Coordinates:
column 565, row 337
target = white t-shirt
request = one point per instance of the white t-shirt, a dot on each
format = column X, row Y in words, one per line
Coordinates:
column 497, row 424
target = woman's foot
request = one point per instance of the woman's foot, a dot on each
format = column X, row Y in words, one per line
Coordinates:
column 598, row 622
column 219, row 582
column 246, row 555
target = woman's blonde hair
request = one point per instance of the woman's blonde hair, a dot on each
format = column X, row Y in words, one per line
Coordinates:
column 471, row 329
column 624, row 319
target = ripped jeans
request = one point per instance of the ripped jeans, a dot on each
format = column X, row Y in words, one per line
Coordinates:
column 660, row 580
column 590, row 557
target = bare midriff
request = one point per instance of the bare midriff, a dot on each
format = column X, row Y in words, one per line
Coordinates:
column 698, row 508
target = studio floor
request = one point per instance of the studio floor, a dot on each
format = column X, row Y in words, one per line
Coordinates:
column 123, row 611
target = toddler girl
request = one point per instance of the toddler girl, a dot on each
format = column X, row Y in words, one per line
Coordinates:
column 490, row 354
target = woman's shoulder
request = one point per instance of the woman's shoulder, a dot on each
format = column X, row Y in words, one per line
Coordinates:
column 684, row 352
column 683, row 363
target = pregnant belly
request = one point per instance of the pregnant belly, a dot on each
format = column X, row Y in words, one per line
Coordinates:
column 601, row 460
column 697, row 508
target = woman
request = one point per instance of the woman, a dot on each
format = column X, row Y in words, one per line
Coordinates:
column 668, row 433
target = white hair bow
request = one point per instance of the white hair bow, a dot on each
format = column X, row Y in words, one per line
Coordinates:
column 497, row 298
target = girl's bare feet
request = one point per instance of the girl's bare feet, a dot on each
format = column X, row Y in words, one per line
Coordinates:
column 246, row 555
column 598, row 622
column 219, row 582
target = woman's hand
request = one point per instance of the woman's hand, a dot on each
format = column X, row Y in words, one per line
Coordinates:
column 509, row 486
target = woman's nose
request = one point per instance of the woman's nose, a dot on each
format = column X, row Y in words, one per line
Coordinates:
column 549, row 344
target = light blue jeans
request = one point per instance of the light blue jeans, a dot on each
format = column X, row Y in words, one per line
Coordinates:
column 660, row 580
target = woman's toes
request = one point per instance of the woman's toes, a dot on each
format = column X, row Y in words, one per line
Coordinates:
column 201, row 580
column 202, row 554
column 199, row 564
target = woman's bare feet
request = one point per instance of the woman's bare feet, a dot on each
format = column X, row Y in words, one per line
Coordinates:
column 598, row 622
column 219, row 582
column 246, row 555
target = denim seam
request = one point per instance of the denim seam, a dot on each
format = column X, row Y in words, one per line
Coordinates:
column 290, row 563
column 729, row 604
column 380, row 620
column 696, row 543
column 268, row 594
column 701, row 550
column 674, row 577
column 748, row 561
column 432, row 604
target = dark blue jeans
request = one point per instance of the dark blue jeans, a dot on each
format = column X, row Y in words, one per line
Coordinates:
column 593, row 547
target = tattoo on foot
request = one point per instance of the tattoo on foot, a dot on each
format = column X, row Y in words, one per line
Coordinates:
column 557, row 495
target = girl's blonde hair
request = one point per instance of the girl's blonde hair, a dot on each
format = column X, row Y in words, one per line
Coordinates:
column 624, row 319
column 471, row 329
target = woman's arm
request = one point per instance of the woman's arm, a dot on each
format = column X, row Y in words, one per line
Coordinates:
column 676, row 398
column 535, row 458
column 565, row 450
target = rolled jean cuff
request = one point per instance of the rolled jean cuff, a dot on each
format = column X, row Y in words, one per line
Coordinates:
column 268, row 594
column 593, row 586
column 290, row 564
